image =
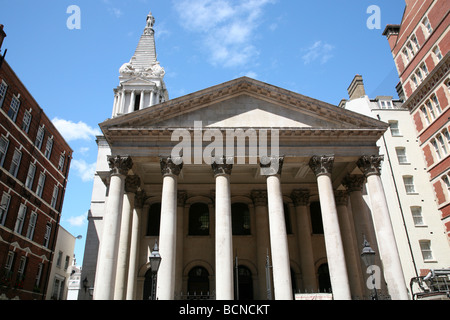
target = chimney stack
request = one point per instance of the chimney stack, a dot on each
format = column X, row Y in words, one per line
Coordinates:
column 356, row 89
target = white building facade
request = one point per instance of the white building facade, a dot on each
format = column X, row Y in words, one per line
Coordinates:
column 226, row 177
column 419, row 232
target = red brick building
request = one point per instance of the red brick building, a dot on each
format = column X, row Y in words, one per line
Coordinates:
column 34, row 167
column 420, row 47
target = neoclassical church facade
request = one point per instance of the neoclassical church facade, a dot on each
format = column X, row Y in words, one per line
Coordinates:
column 250, row 191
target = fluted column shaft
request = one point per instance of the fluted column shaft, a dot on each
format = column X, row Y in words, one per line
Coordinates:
column 107, row 261
column 393, row 272
column 224, row 233
column 134, row 245
column 282, row 281
column 131, row 185
column 322, row 168
column 170, row 169
column 301, row 201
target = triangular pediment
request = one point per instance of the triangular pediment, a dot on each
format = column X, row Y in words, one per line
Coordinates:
column 244, row 103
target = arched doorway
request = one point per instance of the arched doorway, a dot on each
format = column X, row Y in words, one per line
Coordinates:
column 198, row 281
column 245, row 284
column 148, row 285
column 324, row 278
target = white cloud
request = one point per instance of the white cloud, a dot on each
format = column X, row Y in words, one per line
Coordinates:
column 84, row 170
column 227, row 27
column 115, row 12
column 320, row 51
column 77, row 221
column 75, row 131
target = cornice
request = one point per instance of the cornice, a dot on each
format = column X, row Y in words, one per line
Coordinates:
column 227, row 90
column 440, row 72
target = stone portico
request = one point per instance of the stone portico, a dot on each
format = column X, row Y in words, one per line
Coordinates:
column 315, row 164
column 288, row 193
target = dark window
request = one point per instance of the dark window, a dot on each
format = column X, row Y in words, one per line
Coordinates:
column 245, row 284
column 199, row 219
column 137, row 102
column 316, row 218
column 287, row 218
column 154, row 219
column 240, row 219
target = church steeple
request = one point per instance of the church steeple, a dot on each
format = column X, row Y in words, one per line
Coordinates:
column 142, row 78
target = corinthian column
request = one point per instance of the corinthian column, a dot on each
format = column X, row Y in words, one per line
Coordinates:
column 301, row 202
column 224, row 241
column 322, row 168
column 393, row 273
column 106, row 267
column 262, row 239
column 278, row 236
column 134, row 244
column 131, row 185
column 170, row 169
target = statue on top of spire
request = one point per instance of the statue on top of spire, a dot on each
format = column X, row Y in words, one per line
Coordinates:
column 150, row 20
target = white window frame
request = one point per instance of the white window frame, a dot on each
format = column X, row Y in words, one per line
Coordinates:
column 54, row 197
column 39, row 137
column 22, row 264
column 395, row 129
column 48, row 147
column 41, row 184
column 437, row 53
column 15, row 163
column 39, row 274
column 4, row 144
column 401, row 155
column 31, row 225
column 4, row 207
column 3, row 90
column 425, row 248
column 30, row 176
column 436, row 103
column 26, row 121
column 21, row 215
column 48, row 232
column 14, row 108
column 416, row 213
column 9, row 260
column 428, row 28
column 62, row 160
column 410, row 188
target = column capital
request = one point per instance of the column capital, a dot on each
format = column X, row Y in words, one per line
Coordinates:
column 119, row 165
column 171, row 166
column 140, row 199
column 321, row 165
column 132, row 183
column 271, row 166
column 354, row 182
column 259, row 198
column 222, row 166
column 341, row 197
column 370, row 165
column 181, row 198
column 300, row 197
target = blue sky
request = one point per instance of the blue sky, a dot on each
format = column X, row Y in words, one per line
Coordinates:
column 314, row 48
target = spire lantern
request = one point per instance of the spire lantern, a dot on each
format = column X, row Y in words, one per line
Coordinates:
column 141, row 79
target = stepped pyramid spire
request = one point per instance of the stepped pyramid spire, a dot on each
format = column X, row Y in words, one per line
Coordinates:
column 141, row 79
